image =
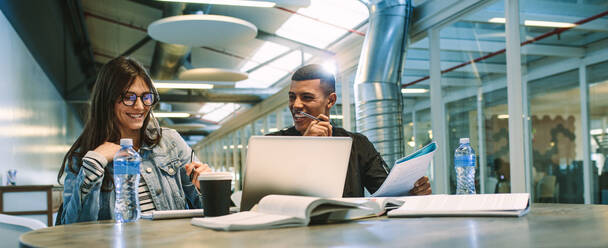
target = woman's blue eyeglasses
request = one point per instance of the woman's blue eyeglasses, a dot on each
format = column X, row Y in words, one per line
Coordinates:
column 147, row 98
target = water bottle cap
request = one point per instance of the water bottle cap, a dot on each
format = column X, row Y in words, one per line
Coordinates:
column 464, row 140
column 126, row 142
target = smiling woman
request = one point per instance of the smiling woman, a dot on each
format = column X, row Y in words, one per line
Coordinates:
column 121, row 104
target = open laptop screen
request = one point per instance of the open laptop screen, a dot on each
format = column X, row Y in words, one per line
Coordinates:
column 295, row 165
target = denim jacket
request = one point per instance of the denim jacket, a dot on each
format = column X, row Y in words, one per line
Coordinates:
column 162, row 168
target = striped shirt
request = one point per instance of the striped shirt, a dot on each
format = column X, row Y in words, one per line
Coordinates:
column 145, row 197
column 93, row 165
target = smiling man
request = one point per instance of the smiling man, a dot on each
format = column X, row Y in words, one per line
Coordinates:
column 313, row 92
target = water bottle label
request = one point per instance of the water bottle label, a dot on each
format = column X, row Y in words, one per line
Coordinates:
column 126, row 167
column 464, row 161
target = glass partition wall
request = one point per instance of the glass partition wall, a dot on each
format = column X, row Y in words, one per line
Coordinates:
column 561, row 102
column 556, row 62
column 473, row 84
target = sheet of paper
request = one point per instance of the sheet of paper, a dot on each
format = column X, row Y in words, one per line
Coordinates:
column 402, row 177
column 514, row 205
column 476, row 202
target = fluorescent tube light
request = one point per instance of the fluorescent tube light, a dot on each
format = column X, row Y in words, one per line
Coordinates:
column 497, row 20
column 247, row 3
column 597, row 131
column 503, row 116
column 171, row 115
column 182, row 86
column 536, row 23
column 337, row 117
column 549, row 24
column 414, row 91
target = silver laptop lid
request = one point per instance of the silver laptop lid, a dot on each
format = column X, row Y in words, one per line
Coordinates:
column 295, row 165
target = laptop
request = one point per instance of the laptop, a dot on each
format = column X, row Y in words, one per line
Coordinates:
column 294, row 165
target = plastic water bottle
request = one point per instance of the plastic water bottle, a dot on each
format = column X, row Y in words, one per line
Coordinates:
column 126, row 181
column 464, row 161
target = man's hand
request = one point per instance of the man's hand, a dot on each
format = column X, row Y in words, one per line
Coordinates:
column 319, row 128
column 194, row 169
column 108, row 150
column 422, row 187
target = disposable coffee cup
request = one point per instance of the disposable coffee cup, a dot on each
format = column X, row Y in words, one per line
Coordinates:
column 215, row 189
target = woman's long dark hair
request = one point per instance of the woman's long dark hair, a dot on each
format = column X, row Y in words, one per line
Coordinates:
column 114, row 78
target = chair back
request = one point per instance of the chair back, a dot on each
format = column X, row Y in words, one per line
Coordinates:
column 11, row 228
column 547, row 186
column 59, row 218
column 491, row 183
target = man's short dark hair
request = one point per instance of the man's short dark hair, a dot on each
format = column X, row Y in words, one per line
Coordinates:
column 315, row 71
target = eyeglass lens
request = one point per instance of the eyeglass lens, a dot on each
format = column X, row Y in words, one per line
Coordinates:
column 130, row 98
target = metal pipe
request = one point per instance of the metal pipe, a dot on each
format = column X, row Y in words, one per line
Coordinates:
column 378, row 100
column 168, row 58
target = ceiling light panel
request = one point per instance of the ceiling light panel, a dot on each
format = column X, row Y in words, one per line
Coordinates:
column 344, row 13
column 210, row 107
column 310, row 32
column 290, row 61
column 222, row 112
column 268, row 75
column 267, row 51
column 262, row 78
column 338, row 14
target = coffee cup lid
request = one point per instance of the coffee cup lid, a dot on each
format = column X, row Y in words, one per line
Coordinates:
column 215, row 176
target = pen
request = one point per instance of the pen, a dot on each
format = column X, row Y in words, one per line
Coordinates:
column 191, row 159
column 309, row 116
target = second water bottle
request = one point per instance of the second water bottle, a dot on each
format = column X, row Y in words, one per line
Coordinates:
column 464, row 162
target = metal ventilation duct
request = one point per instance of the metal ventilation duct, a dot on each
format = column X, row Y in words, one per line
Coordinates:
column 378, row 100
column 168, row 58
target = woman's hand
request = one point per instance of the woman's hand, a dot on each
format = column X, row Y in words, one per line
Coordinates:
column 108, row 150
column 422, row 187
column 194, row 169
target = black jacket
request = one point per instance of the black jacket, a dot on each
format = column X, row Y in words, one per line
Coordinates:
column 365, row 166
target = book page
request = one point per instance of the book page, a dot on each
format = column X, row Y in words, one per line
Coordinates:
column 295, row 206
column 404, row 175
column 376, row 203
column 275, row 211
column 246, row 220
column 303, row 207
column 463, row 203
column 369, row 207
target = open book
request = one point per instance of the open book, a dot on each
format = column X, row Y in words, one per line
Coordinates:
column 370, row 207
column 406, row 172
column 516, row 204
column 275, row 211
